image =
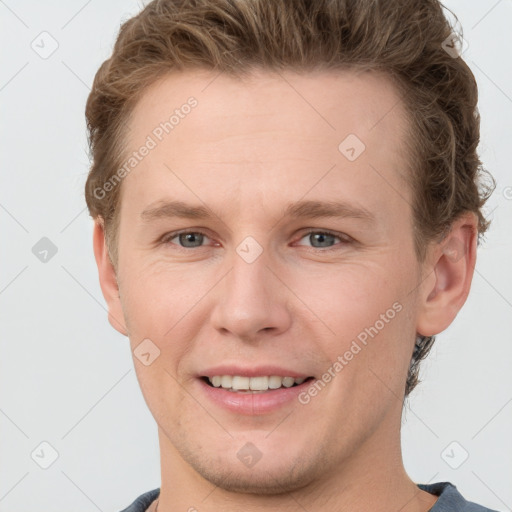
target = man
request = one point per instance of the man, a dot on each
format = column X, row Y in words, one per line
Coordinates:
column 287, row 212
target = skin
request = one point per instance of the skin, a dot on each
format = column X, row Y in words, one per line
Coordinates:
column 247, row 150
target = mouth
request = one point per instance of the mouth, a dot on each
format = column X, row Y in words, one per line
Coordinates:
column 243, row 389
column 254, row 385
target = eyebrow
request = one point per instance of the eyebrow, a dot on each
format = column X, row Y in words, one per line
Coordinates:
column 321, row 209
column 170, row 209
column 300, row 209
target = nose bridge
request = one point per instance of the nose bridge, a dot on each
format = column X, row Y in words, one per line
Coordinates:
column 248, row 301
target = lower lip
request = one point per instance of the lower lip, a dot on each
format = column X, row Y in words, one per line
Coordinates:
column 253, row 404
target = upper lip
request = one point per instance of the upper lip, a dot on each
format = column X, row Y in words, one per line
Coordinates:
column 253, row 371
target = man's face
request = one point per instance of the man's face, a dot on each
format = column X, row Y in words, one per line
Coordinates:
column 259, row 289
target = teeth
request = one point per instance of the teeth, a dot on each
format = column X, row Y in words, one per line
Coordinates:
column 240, row 383
column 288, row 382
column 225, row 381
column 261, row 383
column 274, row 382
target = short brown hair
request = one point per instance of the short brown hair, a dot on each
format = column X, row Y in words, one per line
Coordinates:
column 403, row 38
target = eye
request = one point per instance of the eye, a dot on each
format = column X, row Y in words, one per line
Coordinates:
column 186, row 239
column 324, row 239
column 196, row 239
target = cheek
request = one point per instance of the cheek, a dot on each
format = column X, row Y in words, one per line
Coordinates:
column 349, row 297
column 157, row 300
column 164, row 313
column 157, row 311
column 366, row 314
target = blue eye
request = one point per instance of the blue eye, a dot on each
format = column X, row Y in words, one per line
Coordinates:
column 195, row 239
column 187, row 239
column 324, row 239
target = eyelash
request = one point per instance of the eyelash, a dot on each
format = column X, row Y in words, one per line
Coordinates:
column 345, row 239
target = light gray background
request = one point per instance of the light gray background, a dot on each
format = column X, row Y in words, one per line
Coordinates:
column 67, row 378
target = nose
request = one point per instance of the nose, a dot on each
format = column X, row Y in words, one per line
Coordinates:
column 250, row 302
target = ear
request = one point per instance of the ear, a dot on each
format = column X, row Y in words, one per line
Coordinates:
column 108, row 279
column 449, row 271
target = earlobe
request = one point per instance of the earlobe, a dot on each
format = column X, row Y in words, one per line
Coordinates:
column 108, row 279
column 449, row 274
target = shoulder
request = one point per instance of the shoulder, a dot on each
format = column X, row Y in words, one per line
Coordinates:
column 143, row 501
column 450, row 499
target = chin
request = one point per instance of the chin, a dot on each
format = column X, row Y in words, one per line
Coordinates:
column 263, row 481
column 275, row 473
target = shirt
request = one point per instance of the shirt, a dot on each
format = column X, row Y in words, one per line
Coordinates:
column 450, row 499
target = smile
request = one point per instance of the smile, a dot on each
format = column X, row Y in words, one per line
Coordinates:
column 259, row 384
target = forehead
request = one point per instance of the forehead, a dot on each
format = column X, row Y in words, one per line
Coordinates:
column 267, row 130
column 328, row 103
